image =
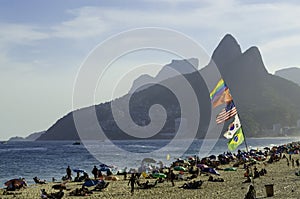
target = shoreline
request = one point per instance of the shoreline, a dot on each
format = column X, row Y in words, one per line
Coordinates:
column 220, row 138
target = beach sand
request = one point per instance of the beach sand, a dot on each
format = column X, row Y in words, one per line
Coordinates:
column 286, row 185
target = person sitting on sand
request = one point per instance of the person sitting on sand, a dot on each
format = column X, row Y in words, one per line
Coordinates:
column 85, row 177
column 251, row 194
column 101, row 185
column 247, row 173
column 23, row 183
column 108, row 172
column 160, row 180
column 44, row 194
column 77, row 178
column 256, row 173
column 100, row 175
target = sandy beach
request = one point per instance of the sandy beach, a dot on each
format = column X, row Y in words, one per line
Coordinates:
column 286, row 185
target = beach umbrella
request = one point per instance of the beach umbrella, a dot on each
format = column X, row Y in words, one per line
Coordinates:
column 179, row 168
column 159, row 175
column 104, row 168
column 212, row 157
column 90, row 183
column 202, row 166
column 79, row 170
column 103, row 165
column 14, row 182
column 210, row 170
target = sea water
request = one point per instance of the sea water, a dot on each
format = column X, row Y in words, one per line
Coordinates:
column 47, row 159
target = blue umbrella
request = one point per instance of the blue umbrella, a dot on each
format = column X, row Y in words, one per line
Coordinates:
column 210, row 170
column 90, row 183
column 104, row 167
column 79, row 170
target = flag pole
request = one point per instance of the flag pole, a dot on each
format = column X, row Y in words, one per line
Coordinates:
column 247, row 150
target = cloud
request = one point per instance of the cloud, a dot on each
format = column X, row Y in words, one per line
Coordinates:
column 20, row 34
column 86, row 23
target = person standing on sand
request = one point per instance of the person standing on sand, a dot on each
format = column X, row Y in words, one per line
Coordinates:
column 172, row 176
column 132, row 181
column 95, row 172
column 69, row 173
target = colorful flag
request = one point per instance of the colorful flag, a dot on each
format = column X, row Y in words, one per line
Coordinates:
column 236, row 140
column 228, row 112
column 220, row 95
column 225, row 97
column 233, row 127
column 218, row 90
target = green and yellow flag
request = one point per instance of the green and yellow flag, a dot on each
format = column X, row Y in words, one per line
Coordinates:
column 236, row 140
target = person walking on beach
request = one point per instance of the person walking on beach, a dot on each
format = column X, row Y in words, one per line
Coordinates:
column 95, row 172
column 69, row 173
column 132, row 181
column 172, row 176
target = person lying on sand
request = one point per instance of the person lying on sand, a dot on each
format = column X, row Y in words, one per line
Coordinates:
column 57, row 195
column 211, row 179
column 192, row 185
column 146, row 185
column 60, row 186
column 81, row 192
column 39, row 181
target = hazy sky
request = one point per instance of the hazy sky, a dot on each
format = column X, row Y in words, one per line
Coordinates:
column 43, row 43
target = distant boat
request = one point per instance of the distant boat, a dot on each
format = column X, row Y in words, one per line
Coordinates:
column 76, row 143
column 3, row 142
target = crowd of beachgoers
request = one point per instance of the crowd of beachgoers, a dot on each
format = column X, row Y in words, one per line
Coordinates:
column 242, row 169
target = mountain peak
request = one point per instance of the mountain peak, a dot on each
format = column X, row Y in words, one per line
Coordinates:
column 227, row 50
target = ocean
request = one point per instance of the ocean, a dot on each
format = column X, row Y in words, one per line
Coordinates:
column 47, row 159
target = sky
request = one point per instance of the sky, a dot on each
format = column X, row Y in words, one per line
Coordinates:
column 44, row 43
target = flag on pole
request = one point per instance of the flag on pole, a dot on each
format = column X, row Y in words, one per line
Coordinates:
column 233, row 127
column 225, row 97
column 220, row 95
column 228, row 112
column 236, row 140
column 218, row 90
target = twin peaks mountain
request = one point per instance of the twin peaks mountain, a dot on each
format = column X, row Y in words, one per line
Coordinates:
column 262, row 99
